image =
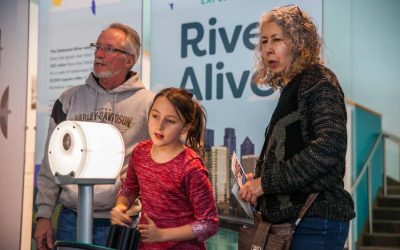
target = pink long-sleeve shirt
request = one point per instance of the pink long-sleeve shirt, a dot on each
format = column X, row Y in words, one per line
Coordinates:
column 174, row 193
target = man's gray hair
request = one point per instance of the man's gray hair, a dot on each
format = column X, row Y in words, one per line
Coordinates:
column 132, row 44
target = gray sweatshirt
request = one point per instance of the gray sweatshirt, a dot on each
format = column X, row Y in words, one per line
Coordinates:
column 126, row 107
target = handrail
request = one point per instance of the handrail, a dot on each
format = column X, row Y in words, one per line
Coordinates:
column 394, row 139
column 366, row 165
column 367, row 168
column 391, row 137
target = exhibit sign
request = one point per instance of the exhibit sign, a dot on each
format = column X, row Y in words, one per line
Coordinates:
column 207, row 47
column 65, row 59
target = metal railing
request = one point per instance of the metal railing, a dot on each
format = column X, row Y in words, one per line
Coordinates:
column 366, row 169
column 395, row 139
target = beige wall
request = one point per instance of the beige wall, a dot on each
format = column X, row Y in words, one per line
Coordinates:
column 14, row 20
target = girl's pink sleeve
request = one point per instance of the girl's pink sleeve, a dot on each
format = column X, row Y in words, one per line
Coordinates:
column 202, row 200
column 130, row 187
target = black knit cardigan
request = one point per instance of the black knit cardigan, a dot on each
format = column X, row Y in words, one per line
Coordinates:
column 305, row 150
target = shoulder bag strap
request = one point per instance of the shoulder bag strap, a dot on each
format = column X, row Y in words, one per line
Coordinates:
column 311, row 198
column 264, row 147
column 261, row 235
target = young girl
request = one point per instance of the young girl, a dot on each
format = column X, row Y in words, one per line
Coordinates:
column 178, row 206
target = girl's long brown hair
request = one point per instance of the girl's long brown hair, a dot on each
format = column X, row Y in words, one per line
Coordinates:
column 192, row 113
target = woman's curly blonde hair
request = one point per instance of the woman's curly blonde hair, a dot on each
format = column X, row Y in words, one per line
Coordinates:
column 298, row 27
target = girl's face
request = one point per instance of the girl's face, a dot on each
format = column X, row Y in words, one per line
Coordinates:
column 165, row 124
column 275, row 48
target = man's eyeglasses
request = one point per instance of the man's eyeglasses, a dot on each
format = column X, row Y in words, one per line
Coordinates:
column 107, row 48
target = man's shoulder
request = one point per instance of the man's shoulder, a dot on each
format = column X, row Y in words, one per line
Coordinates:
column 70, row 92
column 147, row 93
column 142, row 96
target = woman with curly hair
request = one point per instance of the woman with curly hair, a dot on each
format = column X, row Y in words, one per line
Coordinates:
column 306, row 139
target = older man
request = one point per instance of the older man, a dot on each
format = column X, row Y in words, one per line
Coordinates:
column 112, row 94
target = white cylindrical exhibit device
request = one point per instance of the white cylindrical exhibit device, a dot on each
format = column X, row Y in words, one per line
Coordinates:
column 90, row 150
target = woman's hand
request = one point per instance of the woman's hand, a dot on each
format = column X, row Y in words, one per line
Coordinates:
column 249, row 176
column 119, row 216
column 251, row 190
column 150, row 232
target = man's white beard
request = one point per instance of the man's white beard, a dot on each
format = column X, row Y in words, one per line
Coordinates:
column 104, row 74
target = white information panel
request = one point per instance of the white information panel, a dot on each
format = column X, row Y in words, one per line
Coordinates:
column 66, row 28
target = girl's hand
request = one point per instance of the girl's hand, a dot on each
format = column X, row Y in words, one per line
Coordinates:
column 119, row 216
column 135, row 208
column 251, row 190
column 150, row 232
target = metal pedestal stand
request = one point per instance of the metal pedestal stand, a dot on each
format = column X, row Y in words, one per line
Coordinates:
column 85, row 203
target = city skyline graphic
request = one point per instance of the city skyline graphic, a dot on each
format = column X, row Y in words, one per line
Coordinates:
column 218, row 162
